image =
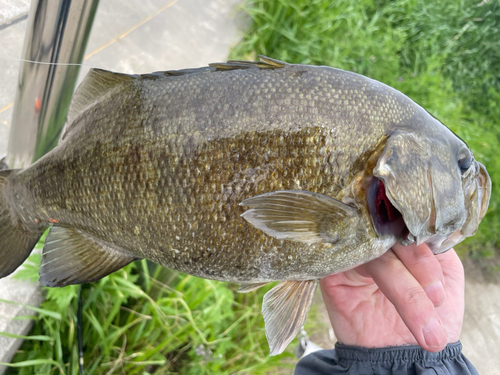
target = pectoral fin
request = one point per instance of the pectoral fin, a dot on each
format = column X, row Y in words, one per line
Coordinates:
column 297, row 215
column 285, row 308
column 73, row 257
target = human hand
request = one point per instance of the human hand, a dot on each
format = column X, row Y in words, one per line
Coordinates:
column 397, row 299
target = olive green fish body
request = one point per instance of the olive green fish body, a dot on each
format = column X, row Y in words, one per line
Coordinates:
column 334, row 166
column 162, row 175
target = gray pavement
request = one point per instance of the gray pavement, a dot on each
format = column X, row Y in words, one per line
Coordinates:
column 140, row 36
column 23, row 293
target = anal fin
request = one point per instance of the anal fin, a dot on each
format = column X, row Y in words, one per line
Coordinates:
column 285, row 309
column 73, row 257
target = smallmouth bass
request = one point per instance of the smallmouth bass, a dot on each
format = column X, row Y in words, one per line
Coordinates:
column 246, row 172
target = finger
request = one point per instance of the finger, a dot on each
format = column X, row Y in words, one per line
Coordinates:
column 452, row 311
column 453, row 269
column 425, row 268
column 410, row 300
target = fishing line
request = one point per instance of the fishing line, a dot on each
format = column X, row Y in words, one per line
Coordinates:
column 18, row 59
column 79, row 330
column 142, row 22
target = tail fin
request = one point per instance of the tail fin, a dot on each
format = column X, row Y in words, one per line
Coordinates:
column 15, row 243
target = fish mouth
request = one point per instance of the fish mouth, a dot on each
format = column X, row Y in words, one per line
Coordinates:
column 387, row 220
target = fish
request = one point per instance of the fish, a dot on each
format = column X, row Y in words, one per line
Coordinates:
column 245, row 172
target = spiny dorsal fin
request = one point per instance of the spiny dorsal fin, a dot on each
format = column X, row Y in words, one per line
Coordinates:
column 183, row 72
column 263, row 63
column 99, row 82
column 73, row 257
column 271, row 61
column 96, row 84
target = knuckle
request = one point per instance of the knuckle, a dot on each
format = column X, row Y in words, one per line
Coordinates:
column 424, row 259
column 414, row 296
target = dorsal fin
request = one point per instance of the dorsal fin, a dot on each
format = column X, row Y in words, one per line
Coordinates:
column 263, row 63
column 99, row 82
column 183, row 72
column 96, row 84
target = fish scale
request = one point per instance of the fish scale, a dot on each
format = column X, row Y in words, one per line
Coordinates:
column 246, row 172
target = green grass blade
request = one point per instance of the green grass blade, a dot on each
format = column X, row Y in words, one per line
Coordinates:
column 35, row 337
column 52, row 314
column 34, row 362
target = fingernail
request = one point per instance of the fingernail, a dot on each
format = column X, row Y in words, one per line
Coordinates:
column 436, row 293
column 434, row 334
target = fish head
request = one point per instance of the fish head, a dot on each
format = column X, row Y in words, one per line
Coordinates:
column 428, row 188
column 477, row 191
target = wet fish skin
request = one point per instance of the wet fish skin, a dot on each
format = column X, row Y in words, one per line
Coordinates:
column 129, row 172
column 214, row 172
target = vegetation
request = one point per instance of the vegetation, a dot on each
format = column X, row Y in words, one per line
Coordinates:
column 146, row 319
column 445, row 54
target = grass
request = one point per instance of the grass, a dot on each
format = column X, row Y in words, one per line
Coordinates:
column 445, row 54
column 146, row 319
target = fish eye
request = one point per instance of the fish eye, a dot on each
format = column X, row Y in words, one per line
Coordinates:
column 464, row 161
